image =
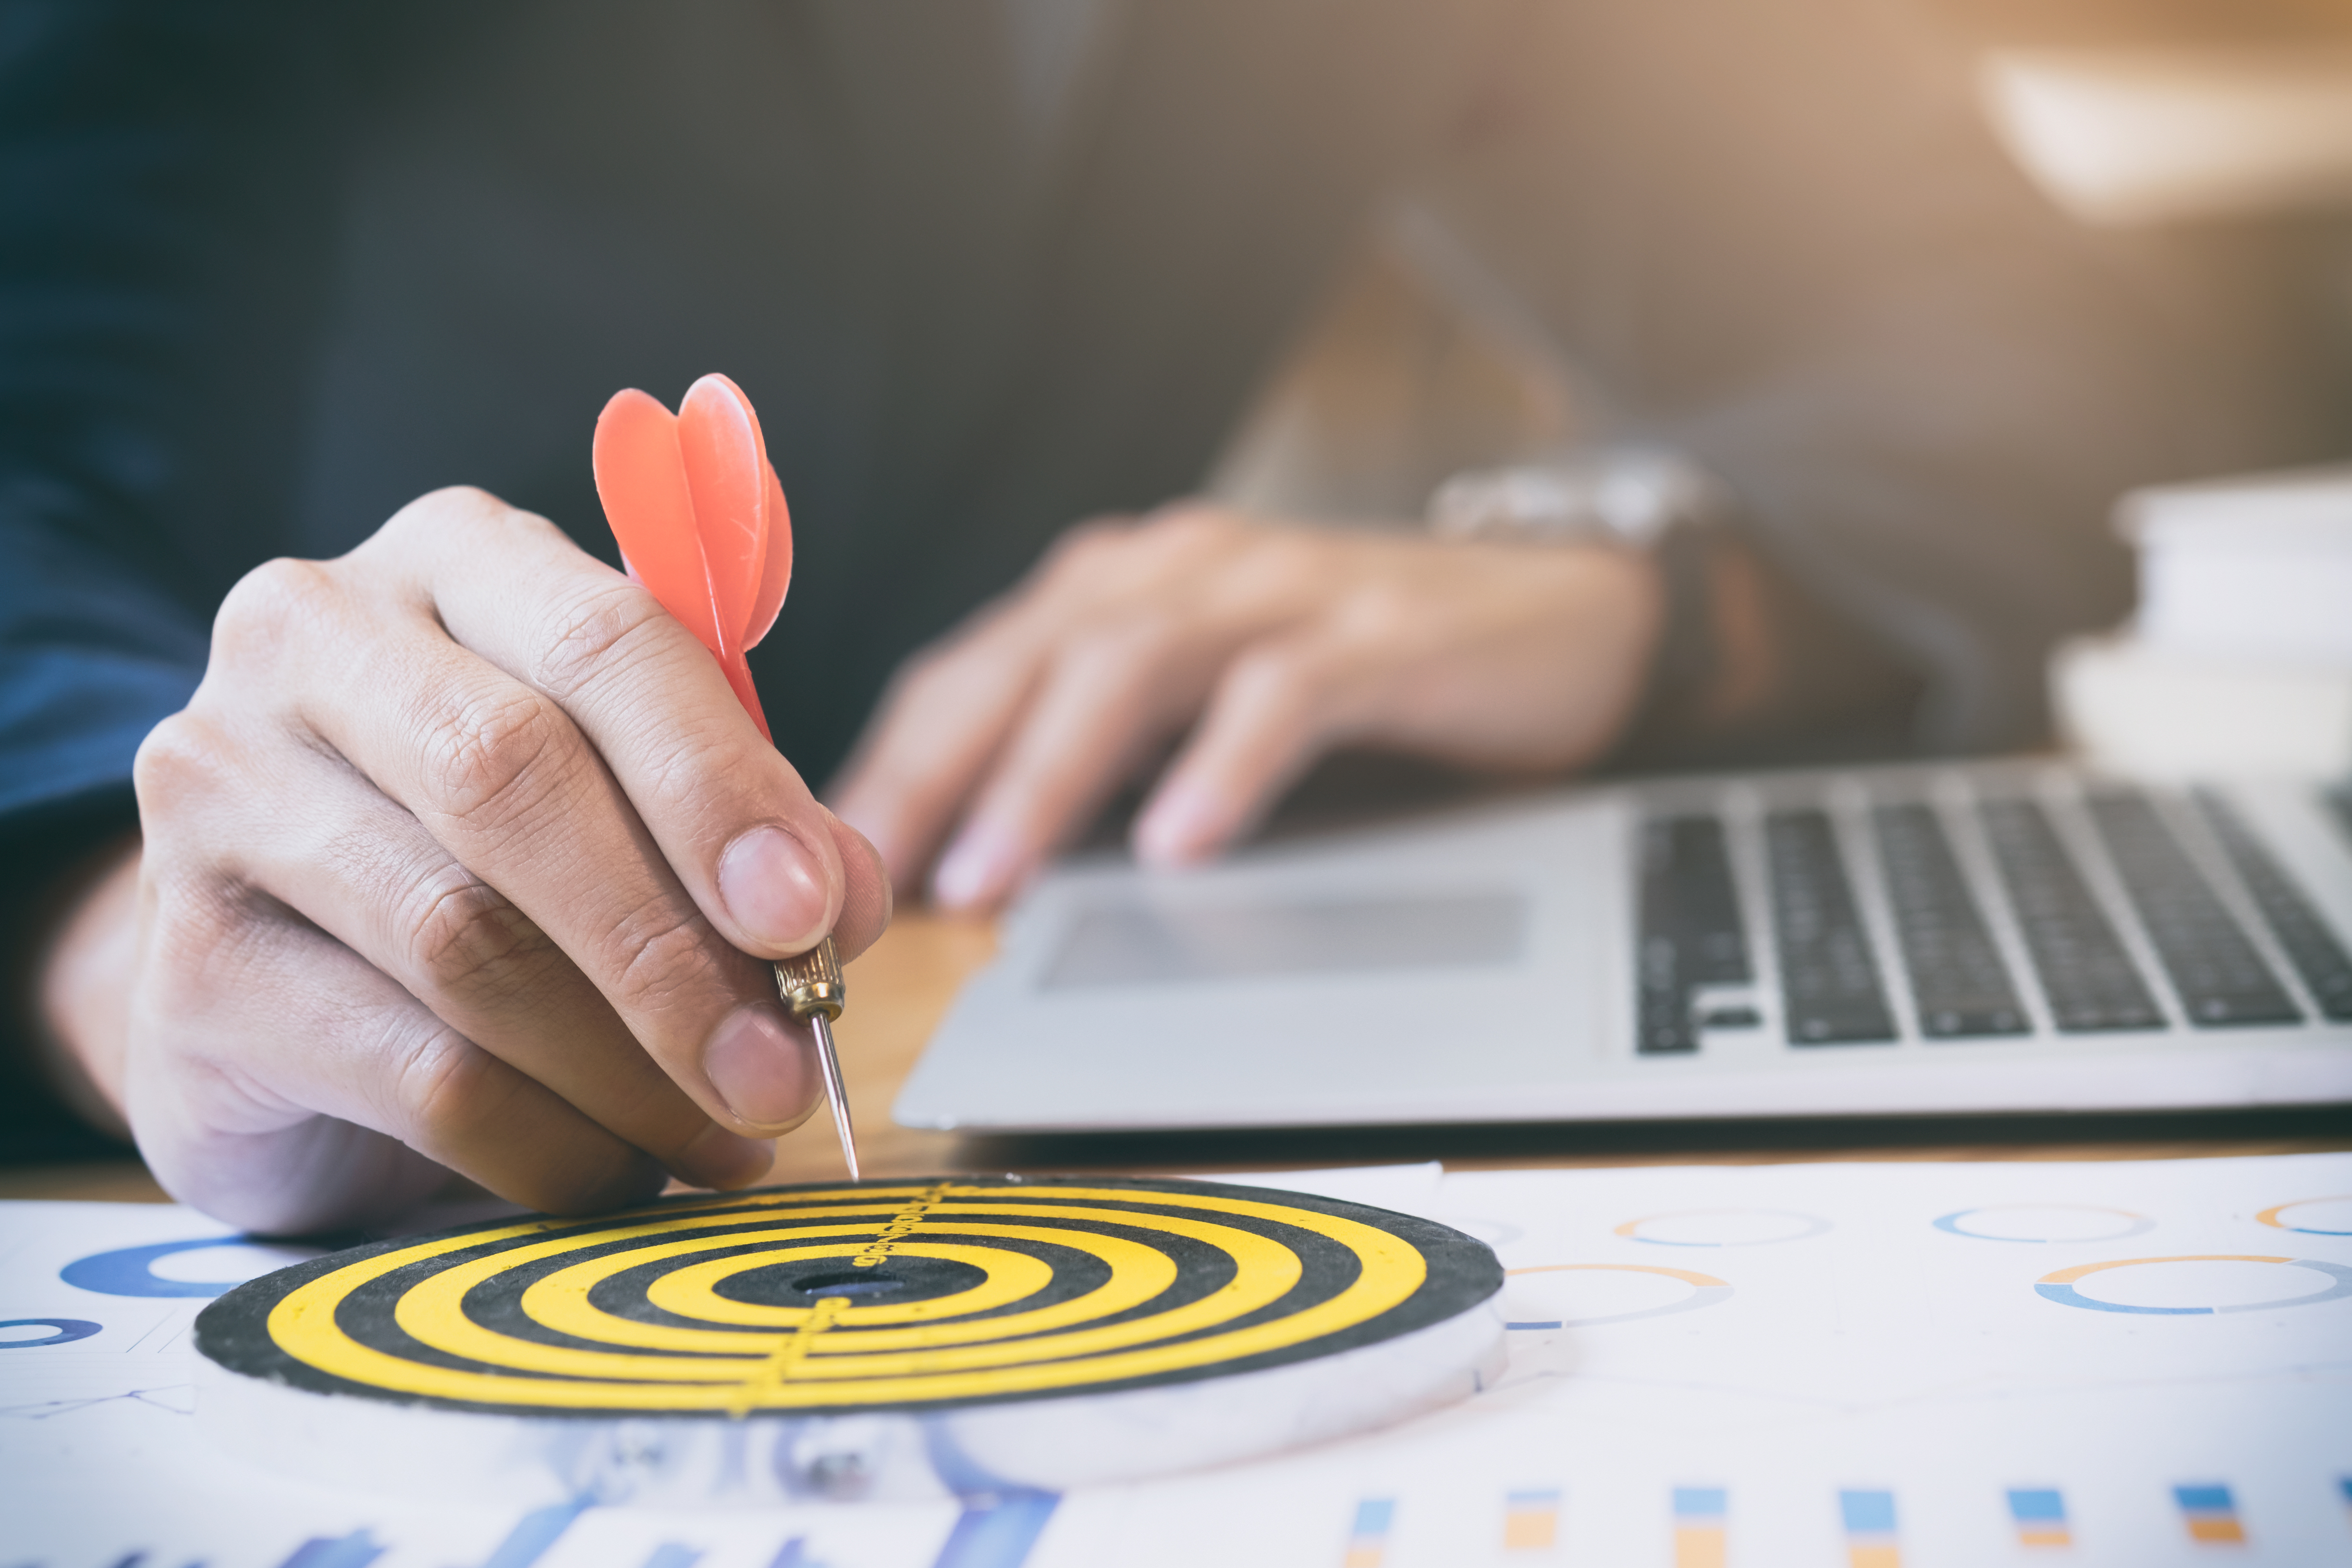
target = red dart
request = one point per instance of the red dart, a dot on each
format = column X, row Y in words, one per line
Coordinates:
column 701, row 522
column 700, row 517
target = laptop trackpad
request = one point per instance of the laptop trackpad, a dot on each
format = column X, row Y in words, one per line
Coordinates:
column 1130, row 944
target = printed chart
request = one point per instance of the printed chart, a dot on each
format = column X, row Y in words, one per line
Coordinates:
column 1900, row 1366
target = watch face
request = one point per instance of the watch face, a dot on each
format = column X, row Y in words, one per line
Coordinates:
column 1630, row 497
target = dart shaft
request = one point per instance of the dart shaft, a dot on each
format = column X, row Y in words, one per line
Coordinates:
column 811, row 985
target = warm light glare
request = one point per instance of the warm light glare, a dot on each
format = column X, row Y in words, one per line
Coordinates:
column 2139, row 136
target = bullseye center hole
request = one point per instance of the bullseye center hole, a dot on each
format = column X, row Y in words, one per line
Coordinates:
column 848, row 1282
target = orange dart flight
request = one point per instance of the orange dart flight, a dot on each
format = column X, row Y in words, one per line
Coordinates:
column 700, row 517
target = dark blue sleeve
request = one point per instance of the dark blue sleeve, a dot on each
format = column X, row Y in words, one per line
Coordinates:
column 160, row 212
column 165, row 205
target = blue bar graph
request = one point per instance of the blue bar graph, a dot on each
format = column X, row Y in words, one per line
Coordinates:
column 527, row 1543
column 356, row 1550
column 996, row 1530
column 2040, row 1515
column 1869, row 1538
column 1368, row 1538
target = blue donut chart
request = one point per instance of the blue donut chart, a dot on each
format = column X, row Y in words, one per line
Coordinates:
column 129, row 1270
column 69, row 1329
column 2134, row 1224
column 2270, row 1216
column 2058, row 1287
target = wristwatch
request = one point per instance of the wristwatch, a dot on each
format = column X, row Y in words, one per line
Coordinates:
column 1633, row 496
column 1646, row 498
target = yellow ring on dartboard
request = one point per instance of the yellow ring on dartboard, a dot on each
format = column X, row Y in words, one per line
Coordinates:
column 1012, row 1277
column 832, row 1369
column 692, row 1291
column 561, row 1300
column 434, row 1314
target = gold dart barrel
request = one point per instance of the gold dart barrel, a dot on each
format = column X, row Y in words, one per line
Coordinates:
column 811, row 984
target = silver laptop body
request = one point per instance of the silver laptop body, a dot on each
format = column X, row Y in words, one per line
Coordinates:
column 1932, row 940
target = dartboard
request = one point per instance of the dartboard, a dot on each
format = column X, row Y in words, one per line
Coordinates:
column 823, row 1299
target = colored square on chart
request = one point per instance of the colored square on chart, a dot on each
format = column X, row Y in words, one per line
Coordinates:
column 1699, row 1519
column 1368, row 1538
column 1531, row 1519
column 1869, row 1519
column 2039, row 1513
column 2210, row 1513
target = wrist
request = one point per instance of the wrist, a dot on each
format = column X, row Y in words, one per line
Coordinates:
column 1656, row 508
column 82, row 985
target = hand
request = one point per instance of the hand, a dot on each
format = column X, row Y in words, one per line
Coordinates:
column 1264, row 647
column 464, row 858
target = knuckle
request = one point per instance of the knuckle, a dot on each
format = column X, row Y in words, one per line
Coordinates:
column 1279, row 676
column 444, row 1085
column 437, row 511
column 593, row 634
column 666, row 957
column 473, row 946
column 1132, row 647
column 273, row 601
column 492, row 759
column 181, row 760
column 1087, row 554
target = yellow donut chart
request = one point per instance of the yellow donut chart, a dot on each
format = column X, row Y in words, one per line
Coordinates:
column 908, row 1295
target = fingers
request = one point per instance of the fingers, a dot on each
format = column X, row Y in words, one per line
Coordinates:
column 368, row 874
column 639, row 871
column 1108, row 701
column 371, row 1100
column 263, row 854
column 933, row 737
column 1024, row 722
column 501, row 776
column 1272, row 645
column 1277, row 708
column 731, row 817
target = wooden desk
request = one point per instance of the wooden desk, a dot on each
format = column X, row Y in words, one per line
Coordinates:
column 900, row 988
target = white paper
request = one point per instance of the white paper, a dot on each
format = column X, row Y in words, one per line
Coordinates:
column 1795, row 1356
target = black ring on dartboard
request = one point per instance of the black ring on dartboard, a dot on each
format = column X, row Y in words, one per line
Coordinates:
column 1458, row 1272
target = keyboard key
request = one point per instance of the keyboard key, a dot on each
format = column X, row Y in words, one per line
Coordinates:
column 1830, row 993
column 1690, row 931
column 2085, row 974
column 2301, row 929
column 1957, row 980
column 2215, row 967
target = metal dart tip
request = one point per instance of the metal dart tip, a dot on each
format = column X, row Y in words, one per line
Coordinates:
column 836, row 1096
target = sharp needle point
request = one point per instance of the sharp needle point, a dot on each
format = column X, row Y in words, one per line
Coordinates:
column 834, row 1094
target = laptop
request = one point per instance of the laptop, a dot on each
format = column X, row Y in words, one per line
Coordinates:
column 1979, row 937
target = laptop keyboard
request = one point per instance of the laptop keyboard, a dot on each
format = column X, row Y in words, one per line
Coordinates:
column 2215, row 970
column 1829, row 985
column 1958, row 979
column 2301, row 933
column 1691, row 930
column 1955, row 973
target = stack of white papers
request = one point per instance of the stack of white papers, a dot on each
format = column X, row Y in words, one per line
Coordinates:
column 2239, row 661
